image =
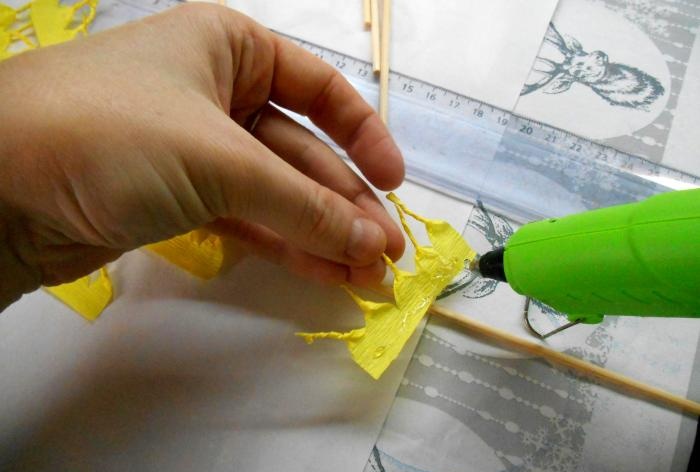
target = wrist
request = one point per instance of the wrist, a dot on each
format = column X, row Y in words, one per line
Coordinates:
column 16, row 277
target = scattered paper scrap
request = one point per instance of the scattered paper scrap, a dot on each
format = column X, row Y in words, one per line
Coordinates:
column 42, row 23
column 388, row 326
column 87, row 296
column 55, row 23
column 14, row 26
column 199, row 252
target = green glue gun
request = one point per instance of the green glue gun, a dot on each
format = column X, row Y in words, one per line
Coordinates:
column 640, row 259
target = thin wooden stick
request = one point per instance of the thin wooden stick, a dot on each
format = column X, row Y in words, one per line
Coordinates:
column 587, row 369
column 376, row 27
column 584, row 368
column 384, row 62
column 367, row 13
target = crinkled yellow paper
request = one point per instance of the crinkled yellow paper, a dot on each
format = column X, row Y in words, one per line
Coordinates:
column 55, row 23
column 43, row 23
column 14, row 28
column 199, row 252
column 387, row 325
column 87, row 296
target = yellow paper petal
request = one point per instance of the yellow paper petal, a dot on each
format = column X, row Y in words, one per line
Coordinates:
column 389, row 326
column 43, row 23
column 86, row 296
column 52, row 21
column 12, row 30
column 198, row 252
column 4, row 44
column 8, row 16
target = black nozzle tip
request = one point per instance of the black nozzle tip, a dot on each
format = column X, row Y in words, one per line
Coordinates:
column 491, row 265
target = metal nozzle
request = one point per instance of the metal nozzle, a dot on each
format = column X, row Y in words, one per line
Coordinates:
column 474, row 264
column 490, row 265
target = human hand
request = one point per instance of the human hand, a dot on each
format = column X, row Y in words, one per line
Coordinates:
column 138, row 134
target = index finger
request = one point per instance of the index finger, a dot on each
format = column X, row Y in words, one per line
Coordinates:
column 305, row 84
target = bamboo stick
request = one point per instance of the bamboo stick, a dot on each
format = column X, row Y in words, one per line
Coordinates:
column 384, row 61
column 581, row 367
column 367, row 13
column 592, row 371
column 376, row 28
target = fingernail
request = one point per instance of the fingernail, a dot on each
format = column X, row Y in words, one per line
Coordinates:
column 366, row 242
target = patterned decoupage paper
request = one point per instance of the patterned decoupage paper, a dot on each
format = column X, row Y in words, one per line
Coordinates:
column 467, row 405
column 625, row 73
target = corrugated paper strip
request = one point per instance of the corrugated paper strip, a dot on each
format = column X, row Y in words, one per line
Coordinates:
column 388, row 326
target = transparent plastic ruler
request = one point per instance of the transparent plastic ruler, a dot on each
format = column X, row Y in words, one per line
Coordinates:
column 518, row 167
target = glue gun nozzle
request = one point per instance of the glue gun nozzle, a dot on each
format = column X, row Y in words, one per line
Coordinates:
column 491, row 265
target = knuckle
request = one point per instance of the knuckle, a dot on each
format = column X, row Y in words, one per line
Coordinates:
column 327, row 90
column 308, row 155
column 317, row 217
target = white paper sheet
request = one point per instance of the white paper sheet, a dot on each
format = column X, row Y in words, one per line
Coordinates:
column 180, row 375
column 480, row 49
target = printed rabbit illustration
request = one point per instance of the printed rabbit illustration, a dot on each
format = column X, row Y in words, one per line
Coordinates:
column 618, row 84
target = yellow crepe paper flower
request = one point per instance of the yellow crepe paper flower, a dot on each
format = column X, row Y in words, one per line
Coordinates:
column 388, row 326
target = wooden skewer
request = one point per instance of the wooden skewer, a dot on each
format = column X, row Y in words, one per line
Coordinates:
column 384, row 61
column 374, row 20
column 587, row 369
column 367, row 13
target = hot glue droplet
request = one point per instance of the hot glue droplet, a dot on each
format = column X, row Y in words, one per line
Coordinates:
column 379, row 352
column 424, row 302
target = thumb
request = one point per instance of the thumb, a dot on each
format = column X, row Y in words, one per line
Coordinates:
column 252, row 183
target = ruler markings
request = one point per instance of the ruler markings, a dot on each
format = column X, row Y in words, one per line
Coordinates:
column 597, row 174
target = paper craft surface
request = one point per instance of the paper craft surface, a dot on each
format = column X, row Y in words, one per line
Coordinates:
column 389, row 325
